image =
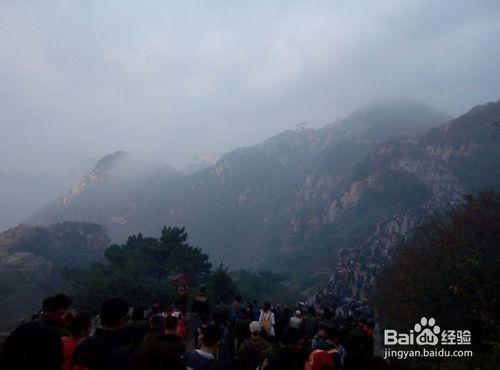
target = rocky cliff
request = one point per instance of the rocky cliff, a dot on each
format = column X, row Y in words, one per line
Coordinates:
column 294, row 200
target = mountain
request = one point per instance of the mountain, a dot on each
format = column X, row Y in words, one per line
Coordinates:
column 109, row 194
column 31, row 260
column 384, row 120
column 200, row 163
column 256, row 204
column 404, row 181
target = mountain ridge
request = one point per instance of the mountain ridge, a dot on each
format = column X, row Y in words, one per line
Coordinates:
column 301, row 190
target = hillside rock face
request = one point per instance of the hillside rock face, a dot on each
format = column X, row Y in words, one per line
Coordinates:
column 403, row 181
column 295, row 199
column 67, row 244
column 109, row 194
column 31, row 260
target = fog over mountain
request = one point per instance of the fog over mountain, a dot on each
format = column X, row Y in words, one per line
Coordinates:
column 277, row 199
column 170, row 81
column 22, row 192
column 338, row 159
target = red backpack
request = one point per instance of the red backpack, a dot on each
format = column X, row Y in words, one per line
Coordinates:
column 320, row 358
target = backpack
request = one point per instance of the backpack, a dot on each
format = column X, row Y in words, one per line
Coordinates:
column 266, row 322
column 320, row 358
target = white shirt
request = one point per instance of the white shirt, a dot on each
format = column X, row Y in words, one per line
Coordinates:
column 269, row 317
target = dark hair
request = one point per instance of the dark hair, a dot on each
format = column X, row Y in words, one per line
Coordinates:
column 203, row 289
column 245, row 313
column 205, row 319
column 156, row 322
column 112, row 311
column 323, row 326
column 267, row 305
column 171, row 322
column 60, row 302
column 231, row 364
column 33, row 346
column 81, row 321
column 211, row 335
column 155, row 356
column 173, row 343
column 332, row 333
column 138, row 313
column 238, row 298
column 47, row 304
column 291, row 336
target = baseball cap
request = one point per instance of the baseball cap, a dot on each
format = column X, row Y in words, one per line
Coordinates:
column 255, row 326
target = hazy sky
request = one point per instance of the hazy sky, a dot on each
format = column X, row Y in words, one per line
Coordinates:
column 174, row 79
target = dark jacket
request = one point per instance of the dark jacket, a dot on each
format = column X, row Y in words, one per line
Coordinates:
column 198, row 360
column 94, row 352
column 56, row 322
column 251, row 349
column 283, row 357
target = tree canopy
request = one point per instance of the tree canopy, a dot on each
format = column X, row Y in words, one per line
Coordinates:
column 140, row 270
column 449, row 270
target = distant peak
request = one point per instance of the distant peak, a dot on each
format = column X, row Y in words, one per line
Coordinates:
column 389, row 118
column 480, row 108
column 111, row 160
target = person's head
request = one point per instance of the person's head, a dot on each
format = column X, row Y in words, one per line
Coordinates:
column 137, row 313
column 168, row 310
column 156, row 323
column 255, row 328
column 292, row 338
column 238, row 298
column 114, row 313
column 219, row 318
column 332, row 335
column 33, row 346
column 205, row 320
column 323, row 331
column 155, row 307
column 155, row 356
column 298, row 313
column 177, row 314
column 79, row 326
column 173, row 343
column 58, row 303
column 171, row 323
column 245, row 313
column 210, row 337
column 267, row 306
column 203, row 289
column 47, row 305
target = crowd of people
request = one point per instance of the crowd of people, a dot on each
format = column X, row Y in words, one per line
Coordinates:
column 235, row 335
